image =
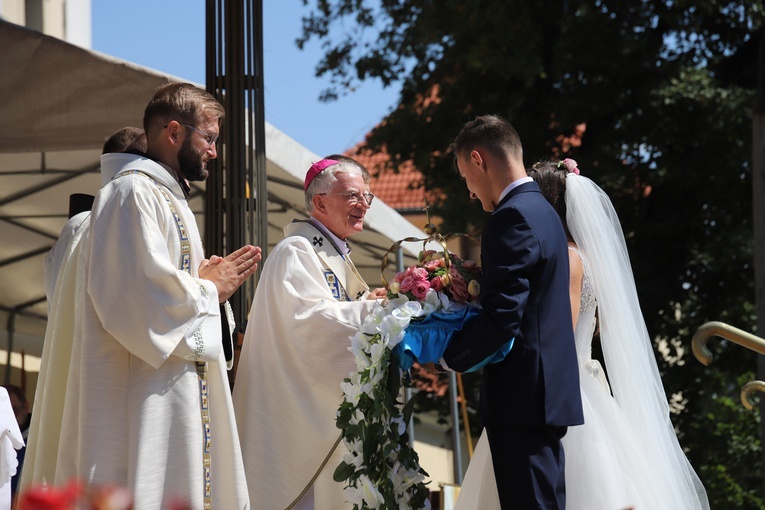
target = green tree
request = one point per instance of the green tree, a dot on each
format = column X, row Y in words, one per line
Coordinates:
column 665, row 89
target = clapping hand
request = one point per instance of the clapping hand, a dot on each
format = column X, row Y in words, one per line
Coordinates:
column 229, row 273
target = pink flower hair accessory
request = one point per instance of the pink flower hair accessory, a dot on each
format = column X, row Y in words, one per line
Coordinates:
column 570, row 165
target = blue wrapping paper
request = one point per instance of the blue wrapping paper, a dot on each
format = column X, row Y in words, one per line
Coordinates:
column 425, row 341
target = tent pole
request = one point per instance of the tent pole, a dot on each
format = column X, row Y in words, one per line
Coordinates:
column 9, row 328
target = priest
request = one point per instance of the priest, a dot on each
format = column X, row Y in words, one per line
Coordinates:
column 147, row 402
column 122, row 140
column 62, row 261
column 310, row 299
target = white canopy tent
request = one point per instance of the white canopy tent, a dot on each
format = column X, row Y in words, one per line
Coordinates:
column 59, row 103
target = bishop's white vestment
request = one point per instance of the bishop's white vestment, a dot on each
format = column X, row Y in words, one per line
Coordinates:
column 294, row 357
column 147, row 402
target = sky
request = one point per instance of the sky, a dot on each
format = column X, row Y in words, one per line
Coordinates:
column 168, row 36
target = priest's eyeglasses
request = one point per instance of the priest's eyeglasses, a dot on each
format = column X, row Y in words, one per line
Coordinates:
column 208, row 137
column 353, row 197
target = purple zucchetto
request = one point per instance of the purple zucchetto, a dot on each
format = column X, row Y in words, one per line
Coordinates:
column 316, row 169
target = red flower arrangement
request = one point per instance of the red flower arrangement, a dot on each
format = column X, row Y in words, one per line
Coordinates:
column 76, row 495
column 53, row 498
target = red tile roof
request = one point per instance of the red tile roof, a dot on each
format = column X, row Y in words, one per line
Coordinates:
column 402, row 190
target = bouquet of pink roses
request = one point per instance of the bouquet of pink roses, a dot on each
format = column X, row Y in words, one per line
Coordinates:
column 458, row 279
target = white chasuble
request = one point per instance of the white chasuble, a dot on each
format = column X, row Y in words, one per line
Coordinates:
column 294, row 357
column 45, row 426
column 61, row 274
column 132, row 413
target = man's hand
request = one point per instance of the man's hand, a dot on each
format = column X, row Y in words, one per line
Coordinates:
column 433, row 368
column 378, row 293
column 229, row 272
column 430, row 367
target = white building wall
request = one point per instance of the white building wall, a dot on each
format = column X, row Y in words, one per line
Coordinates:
column 433, row 444
column 47, row 16
column 69, row 20
column 78, row 23
column 13, row 11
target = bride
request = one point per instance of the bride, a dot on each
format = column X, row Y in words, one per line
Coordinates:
column 626, row 455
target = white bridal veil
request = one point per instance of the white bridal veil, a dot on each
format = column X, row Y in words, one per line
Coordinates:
column 629, row 357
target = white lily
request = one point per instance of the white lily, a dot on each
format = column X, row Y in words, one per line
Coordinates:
column 357, row 417
column 351, row 459
column 360, row 356
column 353, row 495
column 376, row 352
column 351, row 392
column 371, row 495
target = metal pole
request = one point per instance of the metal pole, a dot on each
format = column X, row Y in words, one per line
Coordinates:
column 236, row 195
column 457, row 444
column 9, row 329
column 257, row 106
column 758, row 213
column 407, row 391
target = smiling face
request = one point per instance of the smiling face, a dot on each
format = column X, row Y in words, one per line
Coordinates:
column 339, row 213
column 196, row 149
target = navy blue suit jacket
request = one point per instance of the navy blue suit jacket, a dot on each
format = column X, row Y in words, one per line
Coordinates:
column 524, row 295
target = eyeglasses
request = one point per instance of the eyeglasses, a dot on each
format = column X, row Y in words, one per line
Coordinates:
column 354, row 197
column 209, row 137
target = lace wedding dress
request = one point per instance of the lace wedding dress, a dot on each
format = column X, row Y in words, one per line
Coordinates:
column 604, row 469
column 626, row 455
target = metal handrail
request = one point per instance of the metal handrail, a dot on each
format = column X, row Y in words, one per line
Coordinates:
column 735, row 335
column 746, row 393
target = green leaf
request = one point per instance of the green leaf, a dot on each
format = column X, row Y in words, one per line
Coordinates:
column 343, row 472
column 407, row 411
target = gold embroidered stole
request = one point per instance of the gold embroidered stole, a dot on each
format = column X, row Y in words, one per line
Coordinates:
column 342, row 277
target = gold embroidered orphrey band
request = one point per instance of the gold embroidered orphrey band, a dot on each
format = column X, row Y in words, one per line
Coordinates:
column 201, row 367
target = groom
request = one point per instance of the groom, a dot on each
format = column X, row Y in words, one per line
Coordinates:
column 530, row 398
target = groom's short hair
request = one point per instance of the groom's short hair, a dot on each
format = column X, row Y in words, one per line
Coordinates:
column 491, row 133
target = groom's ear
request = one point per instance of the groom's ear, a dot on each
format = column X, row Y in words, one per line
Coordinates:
column 478, row 159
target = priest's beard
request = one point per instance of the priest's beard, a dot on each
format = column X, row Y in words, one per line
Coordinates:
column 191, row 162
